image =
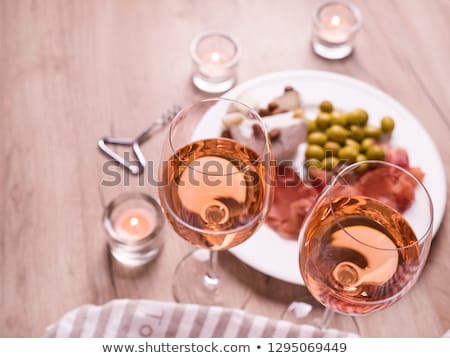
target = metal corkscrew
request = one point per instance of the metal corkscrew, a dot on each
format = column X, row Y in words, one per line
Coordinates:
column 135, row 143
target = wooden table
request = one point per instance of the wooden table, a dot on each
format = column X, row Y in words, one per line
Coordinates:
column 72, row 71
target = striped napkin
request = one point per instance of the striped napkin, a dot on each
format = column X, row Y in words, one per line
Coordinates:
column 145, row 318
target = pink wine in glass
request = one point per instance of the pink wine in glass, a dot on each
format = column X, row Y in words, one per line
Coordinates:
column 358, row 255
column 215, row 192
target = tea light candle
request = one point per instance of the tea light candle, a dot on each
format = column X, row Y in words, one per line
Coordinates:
column 215, row 57
column 133, row 222
column 212, row 65
column 335, row 29
column 335, row 24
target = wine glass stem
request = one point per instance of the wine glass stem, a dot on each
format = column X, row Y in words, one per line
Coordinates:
column 211, row 279
column 326, row 319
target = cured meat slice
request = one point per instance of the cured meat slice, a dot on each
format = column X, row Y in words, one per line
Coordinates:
column 292, row 200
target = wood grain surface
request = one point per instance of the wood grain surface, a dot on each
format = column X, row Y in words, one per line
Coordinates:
column 73, row 71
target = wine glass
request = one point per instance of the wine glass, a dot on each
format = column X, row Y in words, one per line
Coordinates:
column 366, row 239
column 215, row 190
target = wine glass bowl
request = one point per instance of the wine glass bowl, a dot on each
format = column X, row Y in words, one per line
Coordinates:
column 366, row 239
column 215, row 190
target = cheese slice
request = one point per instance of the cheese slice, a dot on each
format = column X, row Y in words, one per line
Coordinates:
column 293, row 131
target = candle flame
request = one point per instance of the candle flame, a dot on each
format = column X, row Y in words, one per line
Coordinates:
column 215, row 56
column 134, row 221
column 335, row 20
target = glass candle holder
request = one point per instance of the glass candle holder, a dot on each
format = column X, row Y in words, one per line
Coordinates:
column 133, row 222
column 335, row 24
column 215, row 57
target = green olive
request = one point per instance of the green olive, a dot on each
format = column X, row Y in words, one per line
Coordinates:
column 323, row 120
column 352, row 118
column 326, row 106
column 348, row 154
column 314, row 151
column 356, row 133
column 372, row 131
column 313, row 163
column 311, row 125
column 318, row 138
column 358, row 116
column 337, row 133
column 330, row 163
column 353, row 143
column 362, row 168
column 361, row 158
column 332, row 147
column 362, row 116
column 366, row 143
column 387, row 124
column 338, row 118
column 375, row 152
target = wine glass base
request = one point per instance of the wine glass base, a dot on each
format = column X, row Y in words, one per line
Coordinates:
column 192, row 284
column 309, row 312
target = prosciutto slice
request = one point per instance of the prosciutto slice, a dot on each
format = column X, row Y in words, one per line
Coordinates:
column 293, row 198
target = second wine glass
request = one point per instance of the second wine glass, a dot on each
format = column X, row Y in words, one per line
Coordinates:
column 215, row 191
column 366, row 239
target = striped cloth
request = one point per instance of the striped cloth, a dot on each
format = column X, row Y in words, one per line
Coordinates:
column 144, row 318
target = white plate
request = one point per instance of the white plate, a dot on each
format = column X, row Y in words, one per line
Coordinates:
column 266, row 251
